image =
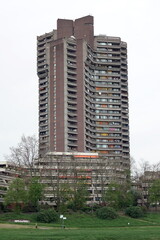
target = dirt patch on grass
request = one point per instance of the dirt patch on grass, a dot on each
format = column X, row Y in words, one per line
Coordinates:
column 18, row 226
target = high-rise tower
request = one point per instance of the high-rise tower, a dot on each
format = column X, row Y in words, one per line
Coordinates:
column 83, row 91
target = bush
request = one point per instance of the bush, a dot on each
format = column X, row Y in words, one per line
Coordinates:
column 134, row 212
column 47, row 216
column 106, row 213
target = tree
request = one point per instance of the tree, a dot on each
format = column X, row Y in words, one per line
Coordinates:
column 106, row 213
column 79, row 196
column 100, row 178
column 119, row 196
column 16, row 194
column 35, row 192
column 25, row 153
column 154, row 192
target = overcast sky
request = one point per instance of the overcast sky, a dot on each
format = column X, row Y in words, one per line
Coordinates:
column 135, row 21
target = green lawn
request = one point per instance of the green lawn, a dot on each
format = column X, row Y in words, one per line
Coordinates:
column 88, row 221
column 83, row 220
column 87, row 227
column 115, row 233
column 153, row 217
column 4, row 217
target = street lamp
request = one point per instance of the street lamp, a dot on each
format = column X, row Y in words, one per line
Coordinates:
column 63, row 218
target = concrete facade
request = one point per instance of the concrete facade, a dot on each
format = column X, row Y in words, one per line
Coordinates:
column 60, row 171
column 83, row 92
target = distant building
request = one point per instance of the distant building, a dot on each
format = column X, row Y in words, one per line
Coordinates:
column 143, row 184
column 8, row 173
column 58, row 169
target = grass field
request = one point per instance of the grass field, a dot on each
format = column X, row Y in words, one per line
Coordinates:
column 114, row 233
column 85, row 227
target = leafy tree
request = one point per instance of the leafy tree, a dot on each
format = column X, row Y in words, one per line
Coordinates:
column 35, row 192
column 136, row 195
column 65, row 195
column 119, row 196
column 79, row 196
column 16, row 194
column 154, row 192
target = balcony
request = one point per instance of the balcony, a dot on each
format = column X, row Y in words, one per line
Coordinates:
column 43, row 107
column 43, row 128
column 72, row 130
column 43, row 124
column 71, row 46
column 71, row 59
column 124, row 93
column 72, row 83
column 71, row 65
column 40, row 41
column 72, row 106
column 43, row 117
column 72, row 143
column 72, row 112
column 124, row 77
column 123, row 50
column 72, row 125
column 41, row 63
column 42, row 74
column 43, row 132
column 125, row 136
column 71, row 54
column 72, row 119
column 72, row 137
column 43, row 82
column 71, row 90
column 124, row 111
column 71, row 76
column 40, row 54
column 41, row 57
column 43, row 90
column 72, row 102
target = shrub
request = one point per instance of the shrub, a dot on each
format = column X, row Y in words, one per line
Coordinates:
column 134, row 212
column 47, row 216
column 106, row 213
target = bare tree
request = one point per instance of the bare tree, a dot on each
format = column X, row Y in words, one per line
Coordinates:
column 25, row 153
column 135, row 172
